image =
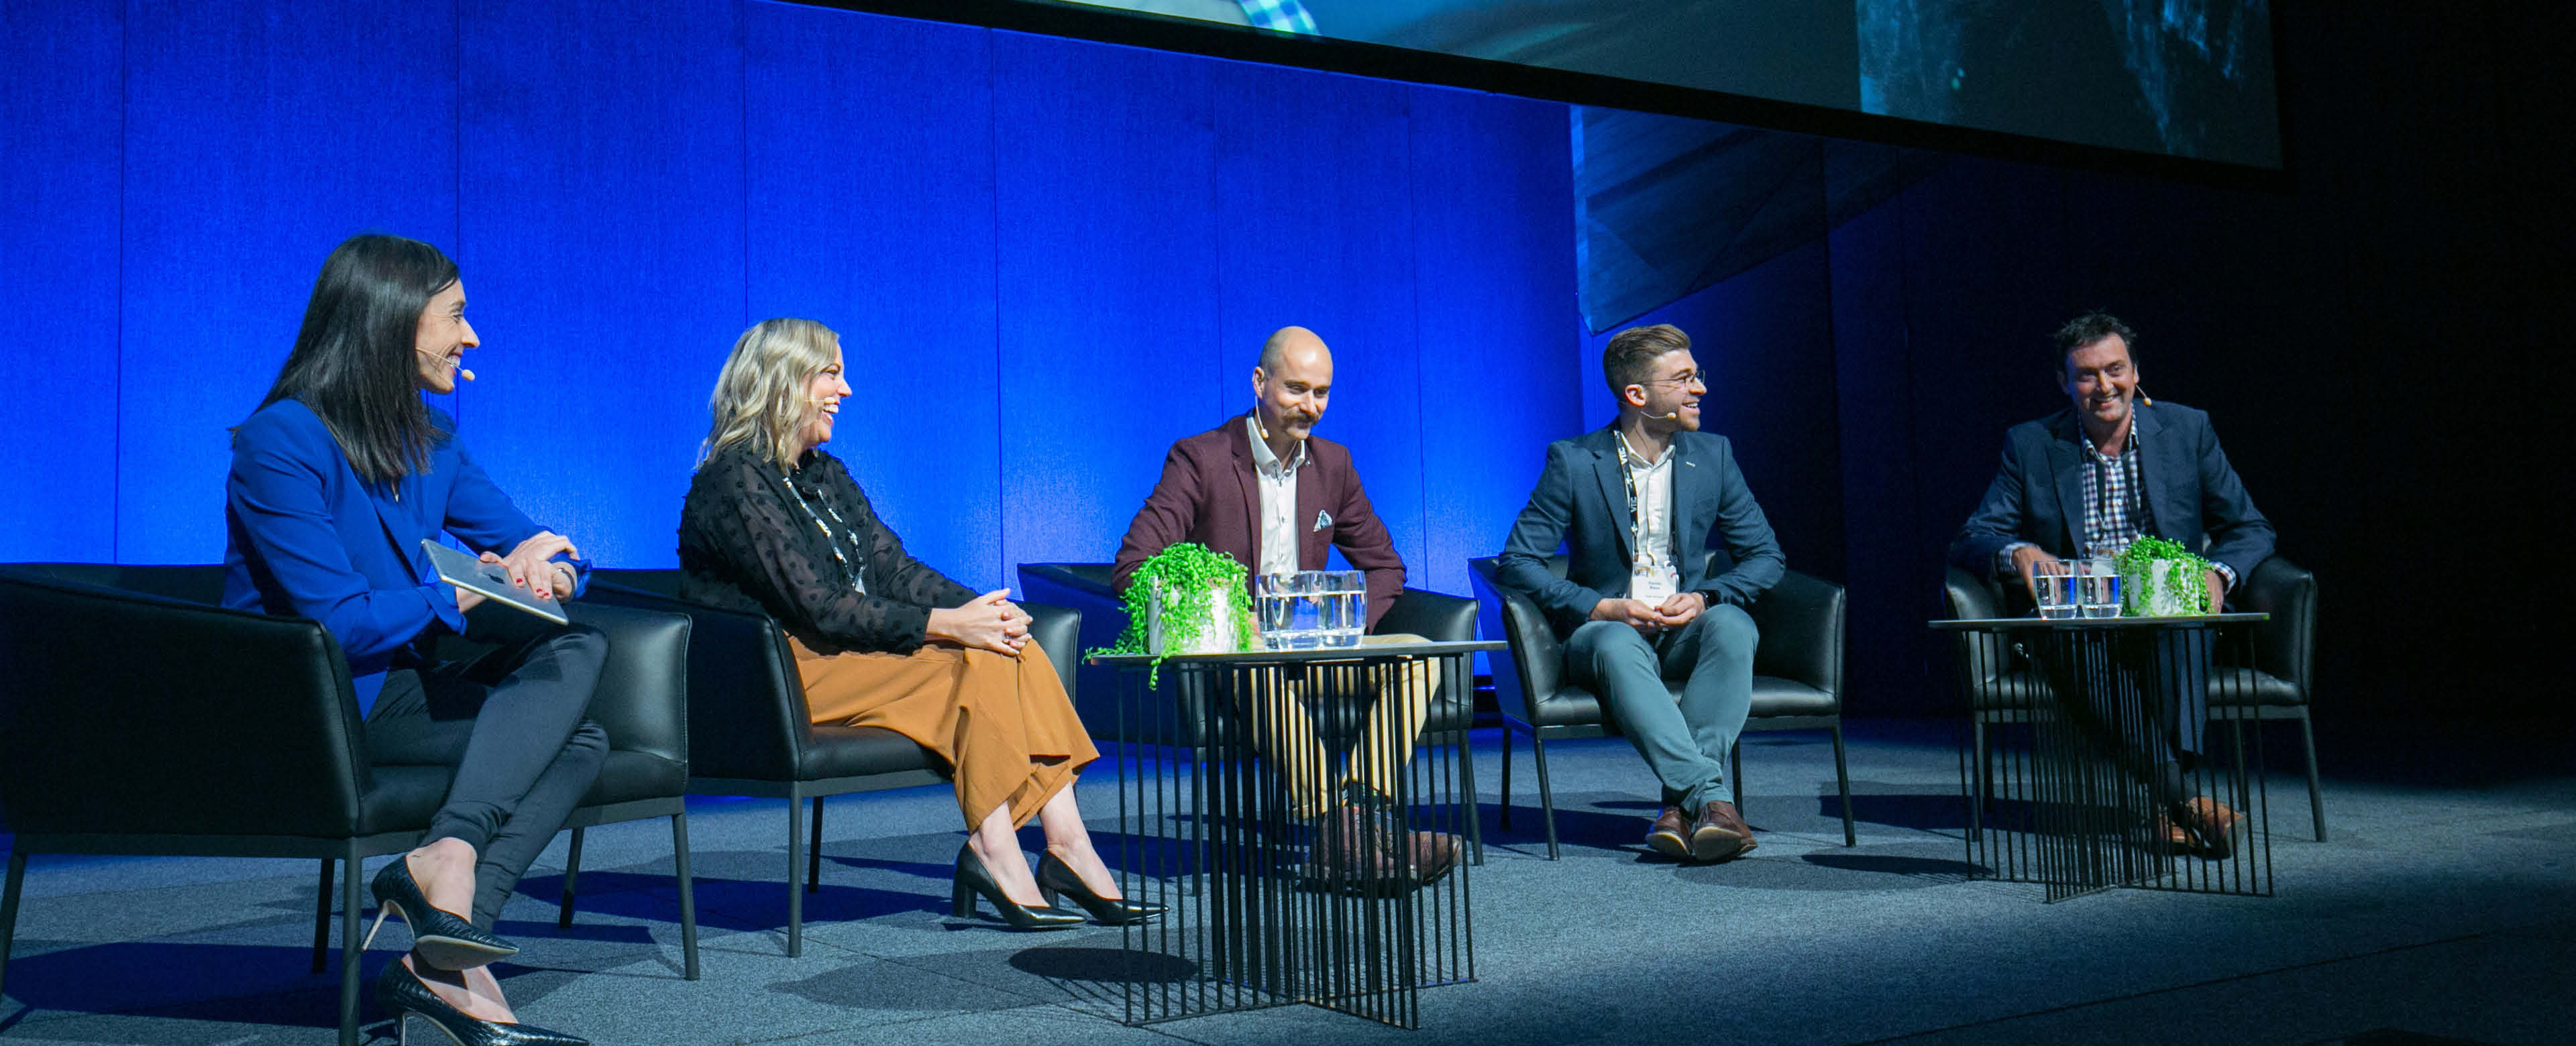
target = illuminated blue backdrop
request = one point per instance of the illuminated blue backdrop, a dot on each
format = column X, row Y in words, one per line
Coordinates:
column 1048, row 259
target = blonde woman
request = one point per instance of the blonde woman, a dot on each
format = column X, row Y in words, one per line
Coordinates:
column 774, row 524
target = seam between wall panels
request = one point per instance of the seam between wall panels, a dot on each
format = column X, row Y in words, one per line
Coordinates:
column 116, row 434
column 1001, row 445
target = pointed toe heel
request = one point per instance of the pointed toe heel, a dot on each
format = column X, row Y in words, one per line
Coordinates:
column 401, row 993
column 1056, row 878
column 974, row 879
column 443, row 939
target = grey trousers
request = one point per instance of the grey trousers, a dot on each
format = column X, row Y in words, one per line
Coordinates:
column 511, row 722
column 1685, row 742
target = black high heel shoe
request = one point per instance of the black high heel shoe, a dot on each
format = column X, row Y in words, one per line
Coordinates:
column 1056, row 877
column 400, row 992
column 442, row 938
column 973, row 878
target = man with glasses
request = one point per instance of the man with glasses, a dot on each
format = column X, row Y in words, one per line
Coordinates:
column 1634, row 505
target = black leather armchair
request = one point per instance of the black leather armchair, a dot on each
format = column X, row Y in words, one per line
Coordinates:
column 1431, row 615
column 2273, row 686
column 750, row 733
column 1797, row 678
column 239, row 735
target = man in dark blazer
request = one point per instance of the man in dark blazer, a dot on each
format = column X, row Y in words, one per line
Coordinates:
column 1634, row 505
column 2091, row 480
column 1263, row 489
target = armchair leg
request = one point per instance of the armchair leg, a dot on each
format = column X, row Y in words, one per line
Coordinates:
column 1978, row 785
column 688, row 896
column 814, row 852
column 572, row 876
column 1507, row 775
column 1467, row 787
column 1735, row 773
column 1546, row 796
column 2316, row 798
column 322, row 917
column 795, row 861
column 1842, row 780
column 9, row 912
column 349, row 950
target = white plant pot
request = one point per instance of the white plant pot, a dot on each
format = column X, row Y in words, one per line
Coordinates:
column 2159, row 590
column 1217, row 638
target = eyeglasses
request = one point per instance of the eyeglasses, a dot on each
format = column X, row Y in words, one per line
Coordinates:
column 1682, row 380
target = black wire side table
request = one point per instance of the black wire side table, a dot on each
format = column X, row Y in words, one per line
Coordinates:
column 2065, row 803
column 1264, row 833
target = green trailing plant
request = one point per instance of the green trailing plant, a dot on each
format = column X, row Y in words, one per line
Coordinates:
column 2188, row 574
column 1191, row 573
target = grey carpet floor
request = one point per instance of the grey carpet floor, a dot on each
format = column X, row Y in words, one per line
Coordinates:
column 2442, row 910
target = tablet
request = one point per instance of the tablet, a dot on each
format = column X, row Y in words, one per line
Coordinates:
column 489, row 580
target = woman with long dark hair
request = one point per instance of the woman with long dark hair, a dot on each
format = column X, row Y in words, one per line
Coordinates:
column 774, row 525
column 335, row 481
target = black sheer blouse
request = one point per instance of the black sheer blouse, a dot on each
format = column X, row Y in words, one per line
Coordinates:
column 747, row 544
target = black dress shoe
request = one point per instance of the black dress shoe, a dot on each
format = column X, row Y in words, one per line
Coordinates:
column 443, row 939
column 1670, row 836
column 1055, row 878
column 973, row 878
column 402, row 994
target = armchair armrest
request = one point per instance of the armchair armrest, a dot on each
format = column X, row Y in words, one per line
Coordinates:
column 1058, row 631
column 1431, row 615
column 643, row 695
column 123, row 712
column 2285, row 646
column 1801, row 620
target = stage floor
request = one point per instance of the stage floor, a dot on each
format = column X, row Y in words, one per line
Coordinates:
column 2443, row 910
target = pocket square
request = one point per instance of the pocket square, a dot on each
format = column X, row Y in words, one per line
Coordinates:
column 1323, row 519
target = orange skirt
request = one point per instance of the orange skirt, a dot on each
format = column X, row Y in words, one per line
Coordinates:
column 1004, row 725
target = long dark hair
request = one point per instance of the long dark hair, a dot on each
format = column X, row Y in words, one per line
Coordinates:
column 352, row 364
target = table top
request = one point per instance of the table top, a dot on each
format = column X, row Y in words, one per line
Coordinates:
column 1330, row 653
column 2005, row 623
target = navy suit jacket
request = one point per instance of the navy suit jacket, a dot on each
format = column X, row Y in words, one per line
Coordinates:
column 304, row 536
column 1582, row 501
column 2193, row 496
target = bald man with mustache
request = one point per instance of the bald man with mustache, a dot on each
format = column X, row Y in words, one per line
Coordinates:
column 1264, row 489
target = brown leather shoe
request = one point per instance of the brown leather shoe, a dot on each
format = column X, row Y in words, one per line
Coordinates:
column 1670, row 836
column 1355, row 851
column 2216, row 827
column 2169, row 837
column 1433, row 855
column 1719, row 834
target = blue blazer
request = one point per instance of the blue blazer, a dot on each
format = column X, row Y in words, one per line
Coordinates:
column 2193, row 496
column 304, row 536
column 1582, row 501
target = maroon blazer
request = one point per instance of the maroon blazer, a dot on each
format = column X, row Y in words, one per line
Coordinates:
column 1208, row 495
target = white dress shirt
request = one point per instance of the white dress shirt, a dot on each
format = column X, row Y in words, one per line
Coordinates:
column 1653, row 536
column 1277, row 481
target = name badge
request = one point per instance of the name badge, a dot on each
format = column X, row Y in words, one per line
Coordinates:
column 1652, row 585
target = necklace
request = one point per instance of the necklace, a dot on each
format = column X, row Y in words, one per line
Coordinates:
column 849, row 568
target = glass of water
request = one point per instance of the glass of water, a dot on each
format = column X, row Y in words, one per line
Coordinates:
column 1345, row 607
column 2052, row 587
column 1287, row 606
column 2097, row 587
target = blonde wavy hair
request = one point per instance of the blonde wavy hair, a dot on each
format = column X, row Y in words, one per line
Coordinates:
column 760, row 396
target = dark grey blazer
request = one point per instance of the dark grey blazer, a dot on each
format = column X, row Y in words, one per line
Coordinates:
column 2193, row 496
column 1582, row 501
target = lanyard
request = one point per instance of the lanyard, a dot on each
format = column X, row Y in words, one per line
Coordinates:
column 848, row 568
column 1636, row 503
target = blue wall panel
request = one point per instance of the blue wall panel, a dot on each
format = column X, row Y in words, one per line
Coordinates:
column 61, row 77
column 602, row 246
column 257, row 136
column 1105, row 161
column 1314, row 200
column 1494, row 272
column 870, row 174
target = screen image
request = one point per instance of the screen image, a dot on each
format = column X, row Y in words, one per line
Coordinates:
column 2183, row 78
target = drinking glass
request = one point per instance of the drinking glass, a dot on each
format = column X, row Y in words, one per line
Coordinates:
column 1286, row 605
column 2052, row 587
column 1345, row 607
column 2097, row 587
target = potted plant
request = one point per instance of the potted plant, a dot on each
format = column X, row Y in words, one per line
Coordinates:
column 2159, row 578
column 1185, row 599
